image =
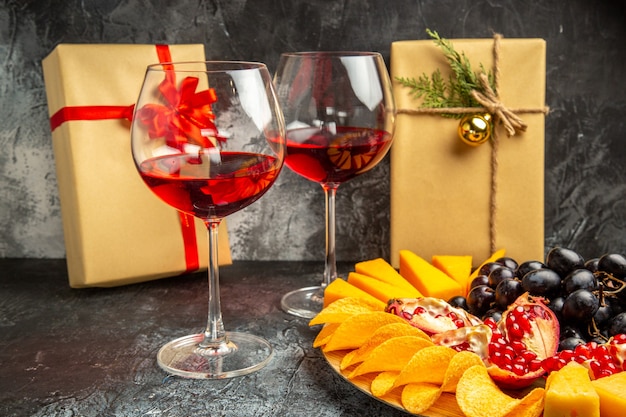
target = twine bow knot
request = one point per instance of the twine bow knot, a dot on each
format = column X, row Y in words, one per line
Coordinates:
column 489, row 100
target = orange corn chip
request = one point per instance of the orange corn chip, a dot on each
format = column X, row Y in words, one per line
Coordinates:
column 381, row 334
column 338, row 311
column 383, row 383
column 355, row 330
column 325, row 334
column 428, row 365
column 530, row 406
column 348, row 359
column 417, row 398
column 478, row 396
column 458, row 365
column 391, row 355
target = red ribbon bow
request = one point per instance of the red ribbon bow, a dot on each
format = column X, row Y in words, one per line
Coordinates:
column 186, row 117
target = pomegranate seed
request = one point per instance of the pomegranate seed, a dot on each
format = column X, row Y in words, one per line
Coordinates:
column 501, row 340
column 619, row 338
column 580, row 358
column 553, row 363
column 582, row 350
column 518, row 346
column 600, row 369
column 509, row 349
column 515, row 332
column 489, row 321
column 459, row 323
column 519, row 369
column 567, row 355
column 419, row 310
column 510, row 319
column 600, row 352
column 561, row 363
column 495, row 347
column 525, row 325
column 520, row 361
column 602, row 373
column 407, row 315
column 497, row 359
column 534, row 365
column 606, row 359
column 529, row 356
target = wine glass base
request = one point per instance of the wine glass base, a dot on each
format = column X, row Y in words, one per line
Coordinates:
column 241, row 355
column 305, row 302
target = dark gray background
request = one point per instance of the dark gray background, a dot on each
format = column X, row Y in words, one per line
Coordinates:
column 586, row 90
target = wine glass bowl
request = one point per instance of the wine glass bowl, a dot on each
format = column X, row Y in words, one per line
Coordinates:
column 340, row 117
column 208, row 139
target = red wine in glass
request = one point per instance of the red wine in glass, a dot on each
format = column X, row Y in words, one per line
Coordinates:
column 335, row 155
column 201, row 187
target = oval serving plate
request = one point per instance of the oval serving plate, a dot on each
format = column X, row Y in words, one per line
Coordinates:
column 445, row 406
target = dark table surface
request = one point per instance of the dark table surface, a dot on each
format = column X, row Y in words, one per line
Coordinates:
column 92, row 352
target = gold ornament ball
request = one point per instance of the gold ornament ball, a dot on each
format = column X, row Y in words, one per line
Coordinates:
column 475, row 129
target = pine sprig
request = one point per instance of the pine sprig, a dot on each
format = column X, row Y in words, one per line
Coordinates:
column 457, row 92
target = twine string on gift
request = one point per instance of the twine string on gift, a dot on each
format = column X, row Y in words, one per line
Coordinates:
column 508, row 117
column 75, row 113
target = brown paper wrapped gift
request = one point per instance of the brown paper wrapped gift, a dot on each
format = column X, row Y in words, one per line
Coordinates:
column 441, row 188
column 116, row 231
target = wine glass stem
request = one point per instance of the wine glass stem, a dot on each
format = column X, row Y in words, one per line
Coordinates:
column 214, row 335
column 330, row 267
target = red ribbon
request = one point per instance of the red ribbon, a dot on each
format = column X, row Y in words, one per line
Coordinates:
column 70, row 113
column 66, row 114
column 185, row 117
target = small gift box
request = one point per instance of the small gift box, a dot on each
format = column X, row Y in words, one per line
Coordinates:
column 116, row 230
column 448, row 198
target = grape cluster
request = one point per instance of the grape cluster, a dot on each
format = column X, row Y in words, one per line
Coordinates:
column 587, row 296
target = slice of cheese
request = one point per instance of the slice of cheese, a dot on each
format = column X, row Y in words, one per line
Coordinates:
column 612, row 392
column 340, row 288
column 569, row 392
column 457, row 267
column 379, row 289
column 429, row 280
column 380, row 269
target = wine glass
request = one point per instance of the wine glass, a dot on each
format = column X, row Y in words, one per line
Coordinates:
column 340, row 117
column 208, row 139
